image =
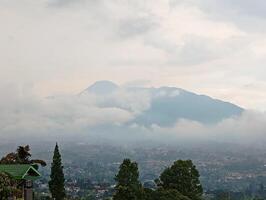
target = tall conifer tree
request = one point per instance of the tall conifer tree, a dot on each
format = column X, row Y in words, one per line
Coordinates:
column 56, row 184
column 128, row 186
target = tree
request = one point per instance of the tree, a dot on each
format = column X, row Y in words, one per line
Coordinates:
column 128, row 186
column 169, row 194
column 183, row 177
column 57, row 182
column 21, row 156
column 7, row 188
column 223, row 195
column 162, row 194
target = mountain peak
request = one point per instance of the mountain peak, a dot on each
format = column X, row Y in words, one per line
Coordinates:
column 167, row 104
column 102, row 87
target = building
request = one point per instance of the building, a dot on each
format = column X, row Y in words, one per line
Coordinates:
column 24, row 174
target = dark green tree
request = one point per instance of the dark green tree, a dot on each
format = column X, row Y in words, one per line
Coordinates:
column 21, row 156
column 222, row 195
column 128, row 186
column 7, row 186
column 57, row 182
column 183, row 177
column 162, row 194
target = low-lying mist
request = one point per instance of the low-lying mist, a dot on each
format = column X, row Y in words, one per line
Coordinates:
column 110, row 118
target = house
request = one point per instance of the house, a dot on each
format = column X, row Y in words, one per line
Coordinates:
column 24, row 174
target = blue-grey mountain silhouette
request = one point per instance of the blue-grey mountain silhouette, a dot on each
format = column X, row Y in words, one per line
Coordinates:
column 168, row 104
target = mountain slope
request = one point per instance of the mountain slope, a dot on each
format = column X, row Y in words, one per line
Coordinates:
column 177, row 103
column 168, row 104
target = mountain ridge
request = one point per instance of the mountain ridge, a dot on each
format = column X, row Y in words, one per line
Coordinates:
column 168, row 104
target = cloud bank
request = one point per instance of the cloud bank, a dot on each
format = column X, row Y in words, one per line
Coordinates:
column 208, row 46
column 110, row 117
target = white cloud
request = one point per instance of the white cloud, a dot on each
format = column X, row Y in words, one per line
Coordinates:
column 211, row 47
column 249, row 128
column 89, row 116
column 24, row 114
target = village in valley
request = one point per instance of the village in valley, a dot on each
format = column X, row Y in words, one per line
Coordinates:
column 91, row 176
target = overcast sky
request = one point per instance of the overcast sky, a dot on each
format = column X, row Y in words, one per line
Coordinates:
column 214, row 47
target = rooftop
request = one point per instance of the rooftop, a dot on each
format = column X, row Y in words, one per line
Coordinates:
column 20, row 171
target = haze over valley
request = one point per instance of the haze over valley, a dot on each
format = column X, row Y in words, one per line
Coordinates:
column 107, row 112
column 156, row 87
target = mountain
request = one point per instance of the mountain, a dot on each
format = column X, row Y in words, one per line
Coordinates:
column 168, row 104
column 102, row 87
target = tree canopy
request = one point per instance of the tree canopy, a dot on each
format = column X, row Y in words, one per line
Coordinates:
column 6, row 186
column 128, row 186
column 164, row 194
column 21, row 156
column 183, row 177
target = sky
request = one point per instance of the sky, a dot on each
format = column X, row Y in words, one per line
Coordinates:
column 211, row 47
column 57, row 48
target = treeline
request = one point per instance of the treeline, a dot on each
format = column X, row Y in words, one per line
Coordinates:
column 177, row 182
column 180, row 181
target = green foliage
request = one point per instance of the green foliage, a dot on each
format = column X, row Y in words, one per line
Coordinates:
column 169, row 194
column 57, row 182
column 223, row 196
column 21, row 156
column 162, row 194
column 128, row 186
column 6, row 186
column 178, row 182
column 183, row 177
